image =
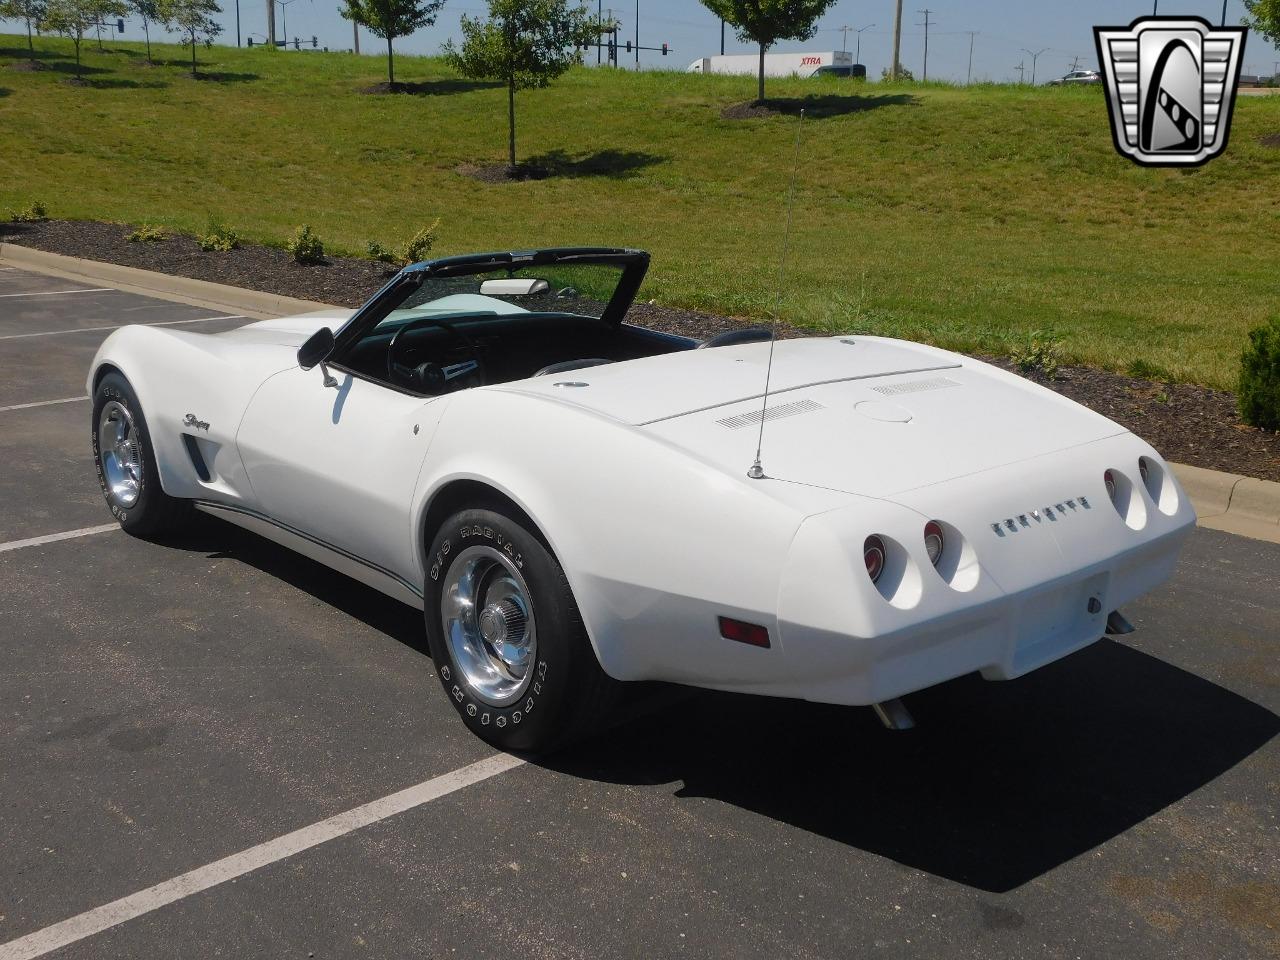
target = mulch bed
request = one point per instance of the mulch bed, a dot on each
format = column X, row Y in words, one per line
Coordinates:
column 27, row 66
column 503, row 172
column 1186, row 423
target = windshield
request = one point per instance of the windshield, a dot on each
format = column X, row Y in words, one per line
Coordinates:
column 578, row 289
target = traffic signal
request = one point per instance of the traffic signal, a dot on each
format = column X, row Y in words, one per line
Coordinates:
column 664, row 49
column 628, row 46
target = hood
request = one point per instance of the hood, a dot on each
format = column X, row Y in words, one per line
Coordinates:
column 860, row 415
column 288, row 331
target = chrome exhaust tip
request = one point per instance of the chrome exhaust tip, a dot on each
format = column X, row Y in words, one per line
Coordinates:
column 1117, row 625
column 894, row 714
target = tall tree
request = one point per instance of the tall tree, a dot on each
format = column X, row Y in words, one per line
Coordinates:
column 149, row 11
column 32, row 11
column 389, row 19
column 765, row 22
column 1264, row 16
column 525, row 44
column 194, row 20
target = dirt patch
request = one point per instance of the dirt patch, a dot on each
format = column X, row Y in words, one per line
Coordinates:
column 1270, row 140
column 1186, row 423
column 750, row 110
column 503, row 172
column 27, row 66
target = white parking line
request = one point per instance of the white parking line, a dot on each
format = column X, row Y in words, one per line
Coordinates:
column 57, row 293
column 117, row 326
column 237, row 865
column 55, row 537
column 40, row 403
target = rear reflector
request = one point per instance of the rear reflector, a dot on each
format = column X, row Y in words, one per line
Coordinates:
column 742, row 632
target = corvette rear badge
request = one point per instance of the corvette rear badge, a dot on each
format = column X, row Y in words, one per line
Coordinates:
column 1171, row 86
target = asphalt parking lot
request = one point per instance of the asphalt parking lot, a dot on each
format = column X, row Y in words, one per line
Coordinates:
column 163, row 707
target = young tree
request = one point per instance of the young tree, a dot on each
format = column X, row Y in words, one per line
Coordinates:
column 389, row 19
column 765, row 22
column 32, row 11
column 149, row 11
column 194, row 19
column 525, row 43
column 74, row 18
column 1264, row 16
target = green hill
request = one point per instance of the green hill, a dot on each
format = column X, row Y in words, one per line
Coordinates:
column 973, row 218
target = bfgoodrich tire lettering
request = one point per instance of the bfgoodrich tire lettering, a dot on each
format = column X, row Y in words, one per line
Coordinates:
column 544, row 686
column 125, row 461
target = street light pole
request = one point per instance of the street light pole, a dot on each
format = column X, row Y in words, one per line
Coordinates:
column 237, row 23
column 1035, row 55
column 858, row 56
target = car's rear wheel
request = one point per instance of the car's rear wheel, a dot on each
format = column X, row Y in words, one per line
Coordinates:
column 126, row 463
column 505, row 633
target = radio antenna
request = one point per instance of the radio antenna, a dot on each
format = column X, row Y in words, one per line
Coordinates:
column 757, row 471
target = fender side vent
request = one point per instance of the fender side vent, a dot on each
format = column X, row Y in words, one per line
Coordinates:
column 773, row 413
column 197, row 458
column 914, row 386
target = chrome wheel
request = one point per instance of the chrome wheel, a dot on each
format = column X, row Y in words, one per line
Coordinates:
column 488, row 622
column 120, row 451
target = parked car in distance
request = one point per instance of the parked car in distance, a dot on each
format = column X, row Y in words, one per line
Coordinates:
column 855, row 70
column 1076, row 77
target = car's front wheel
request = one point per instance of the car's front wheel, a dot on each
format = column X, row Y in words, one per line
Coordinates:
column 126, row 463
column 506, row 636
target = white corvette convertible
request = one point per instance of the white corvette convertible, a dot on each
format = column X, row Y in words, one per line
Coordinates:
column 574, row 501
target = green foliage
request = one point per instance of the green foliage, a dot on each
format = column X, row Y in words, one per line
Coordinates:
column 1264, row 17
column 305, row 246
column 765, row 22
column 147, row 233
column 194, row 20
column 376, row 251
column 524, row 43
column 904, row 75
column 420, row 245
column 218, row 237
column 33, row 212
column 1040, row 353
column 31, row 12
column 1258, row 394
column 389, row 19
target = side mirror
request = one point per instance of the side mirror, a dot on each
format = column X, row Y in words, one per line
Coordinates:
column 318, row 349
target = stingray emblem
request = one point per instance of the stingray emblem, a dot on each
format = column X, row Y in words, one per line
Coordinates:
column 1171, row 86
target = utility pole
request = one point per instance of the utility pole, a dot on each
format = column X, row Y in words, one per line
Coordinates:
column 926, row 12
column 858, row 55
column 1075, row 64
column 1224, row 12
column 969, row 76
column 237, row 23
column 1035, row 55
column 897, row 41
column 599, row 29
column 637, row 34
column 1021, row 68
column 355, row 37
column 844, row 38
column 271, row 22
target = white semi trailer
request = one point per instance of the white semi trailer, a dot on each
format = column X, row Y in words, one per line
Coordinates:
column 775, row 64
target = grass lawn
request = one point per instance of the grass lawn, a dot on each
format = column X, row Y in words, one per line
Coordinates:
column 973, row 218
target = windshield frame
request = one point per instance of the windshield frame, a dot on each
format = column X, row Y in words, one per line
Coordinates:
column 634, row 264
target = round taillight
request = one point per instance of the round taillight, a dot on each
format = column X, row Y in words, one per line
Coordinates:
column 933, row 541
column 1109, row 479
column 873, row 555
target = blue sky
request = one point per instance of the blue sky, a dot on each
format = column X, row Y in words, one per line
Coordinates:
column 1004, row 28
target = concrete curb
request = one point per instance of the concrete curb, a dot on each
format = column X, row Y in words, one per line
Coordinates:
column 1233, row 503
column 1223, row 501
column 198, row 293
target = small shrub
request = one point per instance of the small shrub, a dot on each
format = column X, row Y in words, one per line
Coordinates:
column 305, row 246
column 421, row 244
column 1259, row 394
column 377, row 251
column 1040, row 354
column 1145, row 370
column 147, row 233
column 33, row 212
column 218, row 237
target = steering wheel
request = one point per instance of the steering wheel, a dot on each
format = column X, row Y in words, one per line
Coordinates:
column 436, row 378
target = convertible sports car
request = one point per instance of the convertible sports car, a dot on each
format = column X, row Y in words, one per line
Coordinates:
column 576, row 501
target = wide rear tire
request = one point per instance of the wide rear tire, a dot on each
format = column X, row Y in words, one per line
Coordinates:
column 126, row 464
column 506, row 636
